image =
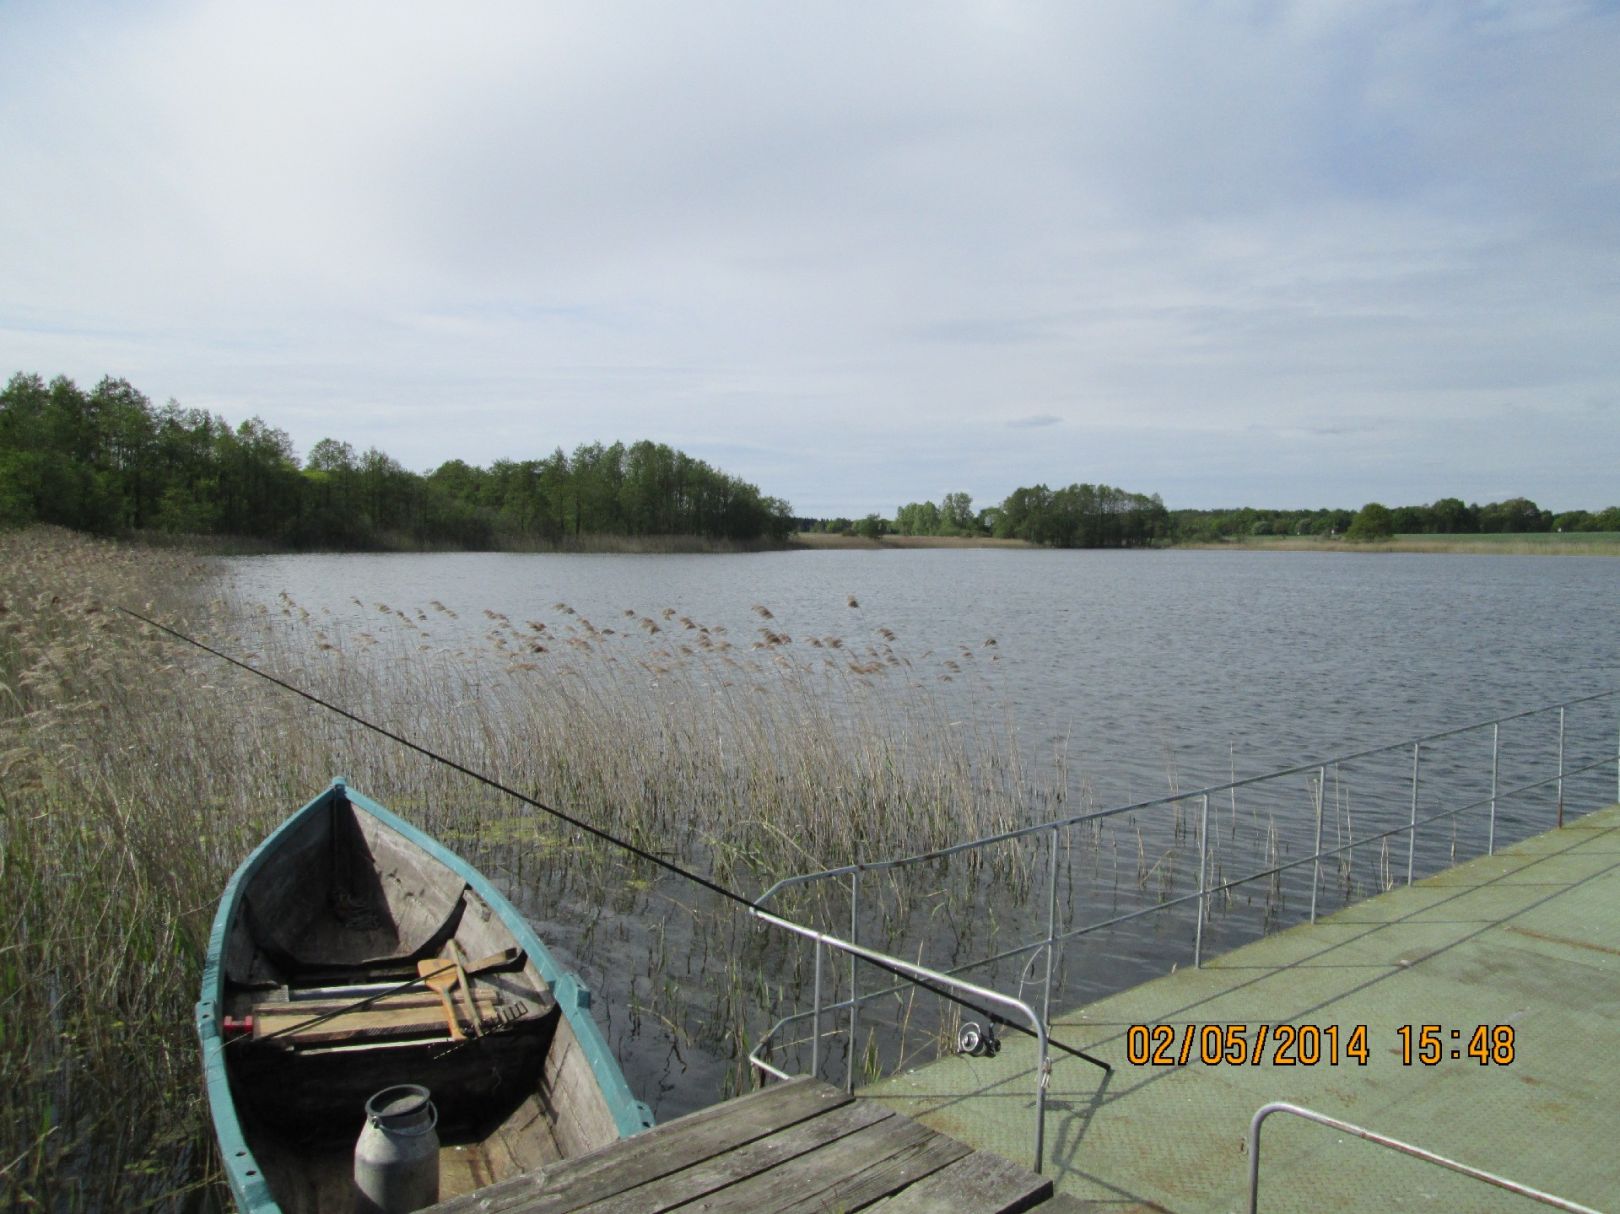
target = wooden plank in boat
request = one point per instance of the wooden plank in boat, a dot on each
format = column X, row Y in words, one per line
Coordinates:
column 572, row 1183
column 980, row 1181
column 289, row 1023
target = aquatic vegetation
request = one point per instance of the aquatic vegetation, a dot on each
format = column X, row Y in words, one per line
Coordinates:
column 137, row 774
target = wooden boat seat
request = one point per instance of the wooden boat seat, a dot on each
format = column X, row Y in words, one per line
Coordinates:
column 407, row 1016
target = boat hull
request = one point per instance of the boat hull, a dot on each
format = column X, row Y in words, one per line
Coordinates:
column 314, row 998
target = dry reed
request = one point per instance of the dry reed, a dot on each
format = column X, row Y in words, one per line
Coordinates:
column 134, row 776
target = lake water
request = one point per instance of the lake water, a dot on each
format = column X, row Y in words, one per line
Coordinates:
column 1136, row 661
column 1146, row 671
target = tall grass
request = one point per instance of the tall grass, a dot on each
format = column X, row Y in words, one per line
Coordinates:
column 134, row 776
column 109, row 840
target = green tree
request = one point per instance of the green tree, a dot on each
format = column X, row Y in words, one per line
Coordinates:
column 1372, row 523
column 1449, row 516
column 917, row 518
column 870, row 527
column 956, row 514
column 1517, row 514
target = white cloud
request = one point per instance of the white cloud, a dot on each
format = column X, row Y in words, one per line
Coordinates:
column 1198, row 238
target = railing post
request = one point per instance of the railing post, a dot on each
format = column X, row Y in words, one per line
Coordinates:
column 1411, row 830
column 815, row 1019
column 1316, row 858
column 854, row 994
column 1560, row 767
column 1203, row 861
column 1051, row 927
column 1490, row 837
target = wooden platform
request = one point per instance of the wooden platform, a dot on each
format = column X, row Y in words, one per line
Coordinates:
column 802, row 1145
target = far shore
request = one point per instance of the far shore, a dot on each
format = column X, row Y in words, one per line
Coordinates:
column 1596, row 543
column 823, row 539
column 1576, row 543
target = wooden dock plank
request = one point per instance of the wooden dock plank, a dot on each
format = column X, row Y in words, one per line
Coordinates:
column 981, row 1182
column 572, row 1183
column 801, row 1145
column 728, row 1167
column 847, row 1174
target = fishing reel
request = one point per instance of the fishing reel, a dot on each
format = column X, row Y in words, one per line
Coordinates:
column 978, row 1042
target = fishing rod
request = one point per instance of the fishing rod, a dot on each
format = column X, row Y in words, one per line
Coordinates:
column 597, row 832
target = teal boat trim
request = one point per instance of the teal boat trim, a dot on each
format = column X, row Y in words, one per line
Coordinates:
column 247, row 1182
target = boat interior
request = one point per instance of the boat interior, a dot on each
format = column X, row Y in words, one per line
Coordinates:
column 356, row 961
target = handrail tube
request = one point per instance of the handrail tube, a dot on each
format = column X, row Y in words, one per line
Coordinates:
column 1034, row 946
column 1560, row 768
column 761, row 1064
column 1316, row 871
column 1411, row 839
column 854, row 988
column 1496, row 744
column 928, row 976
column 1203, row 868
column 815, row 1019
column 1077, row 819
column 1051, row 925
column 1384, row 1140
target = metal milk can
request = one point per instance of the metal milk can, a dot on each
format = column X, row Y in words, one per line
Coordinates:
column 396, row 1160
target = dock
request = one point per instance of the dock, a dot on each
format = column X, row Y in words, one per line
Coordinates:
column 1524, row 945
column 799, row 1145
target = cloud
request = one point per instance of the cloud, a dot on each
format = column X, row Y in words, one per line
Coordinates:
column 572, row 222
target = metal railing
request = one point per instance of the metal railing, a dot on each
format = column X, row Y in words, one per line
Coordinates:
column 916, row 973
column 1052, row 941
column 1394, row 1144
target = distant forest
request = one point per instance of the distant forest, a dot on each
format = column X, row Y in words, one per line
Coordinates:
column 107, row 461
column 1448, row 516
column 1099, row 516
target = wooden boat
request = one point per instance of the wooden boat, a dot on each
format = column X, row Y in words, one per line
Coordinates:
column 314, row 999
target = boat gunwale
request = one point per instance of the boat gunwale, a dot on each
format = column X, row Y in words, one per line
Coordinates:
column 248, row 1184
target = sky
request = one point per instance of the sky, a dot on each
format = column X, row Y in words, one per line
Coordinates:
column 859, row 254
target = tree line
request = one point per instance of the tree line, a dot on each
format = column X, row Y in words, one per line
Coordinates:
column 1100, row 516
column 108, row 461
column 1447, row 516
column 1076, row 516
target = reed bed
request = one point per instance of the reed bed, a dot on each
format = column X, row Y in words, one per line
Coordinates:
column 135, row 774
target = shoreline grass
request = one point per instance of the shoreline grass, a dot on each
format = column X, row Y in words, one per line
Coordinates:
column 1591, row 543
column 824, row 540
column 1573, row 543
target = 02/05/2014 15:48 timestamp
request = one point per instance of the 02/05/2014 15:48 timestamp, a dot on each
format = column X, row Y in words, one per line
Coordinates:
column 1311, row 1044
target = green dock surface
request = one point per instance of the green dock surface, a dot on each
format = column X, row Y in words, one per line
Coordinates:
column 1527, row 940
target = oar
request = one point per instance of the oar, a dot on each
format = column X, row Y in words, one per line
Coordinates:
column 467, row 1001
column 440, row 977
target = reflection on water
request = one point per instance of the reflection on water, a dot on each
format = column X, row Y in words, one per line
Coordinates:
column 1120, row 677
